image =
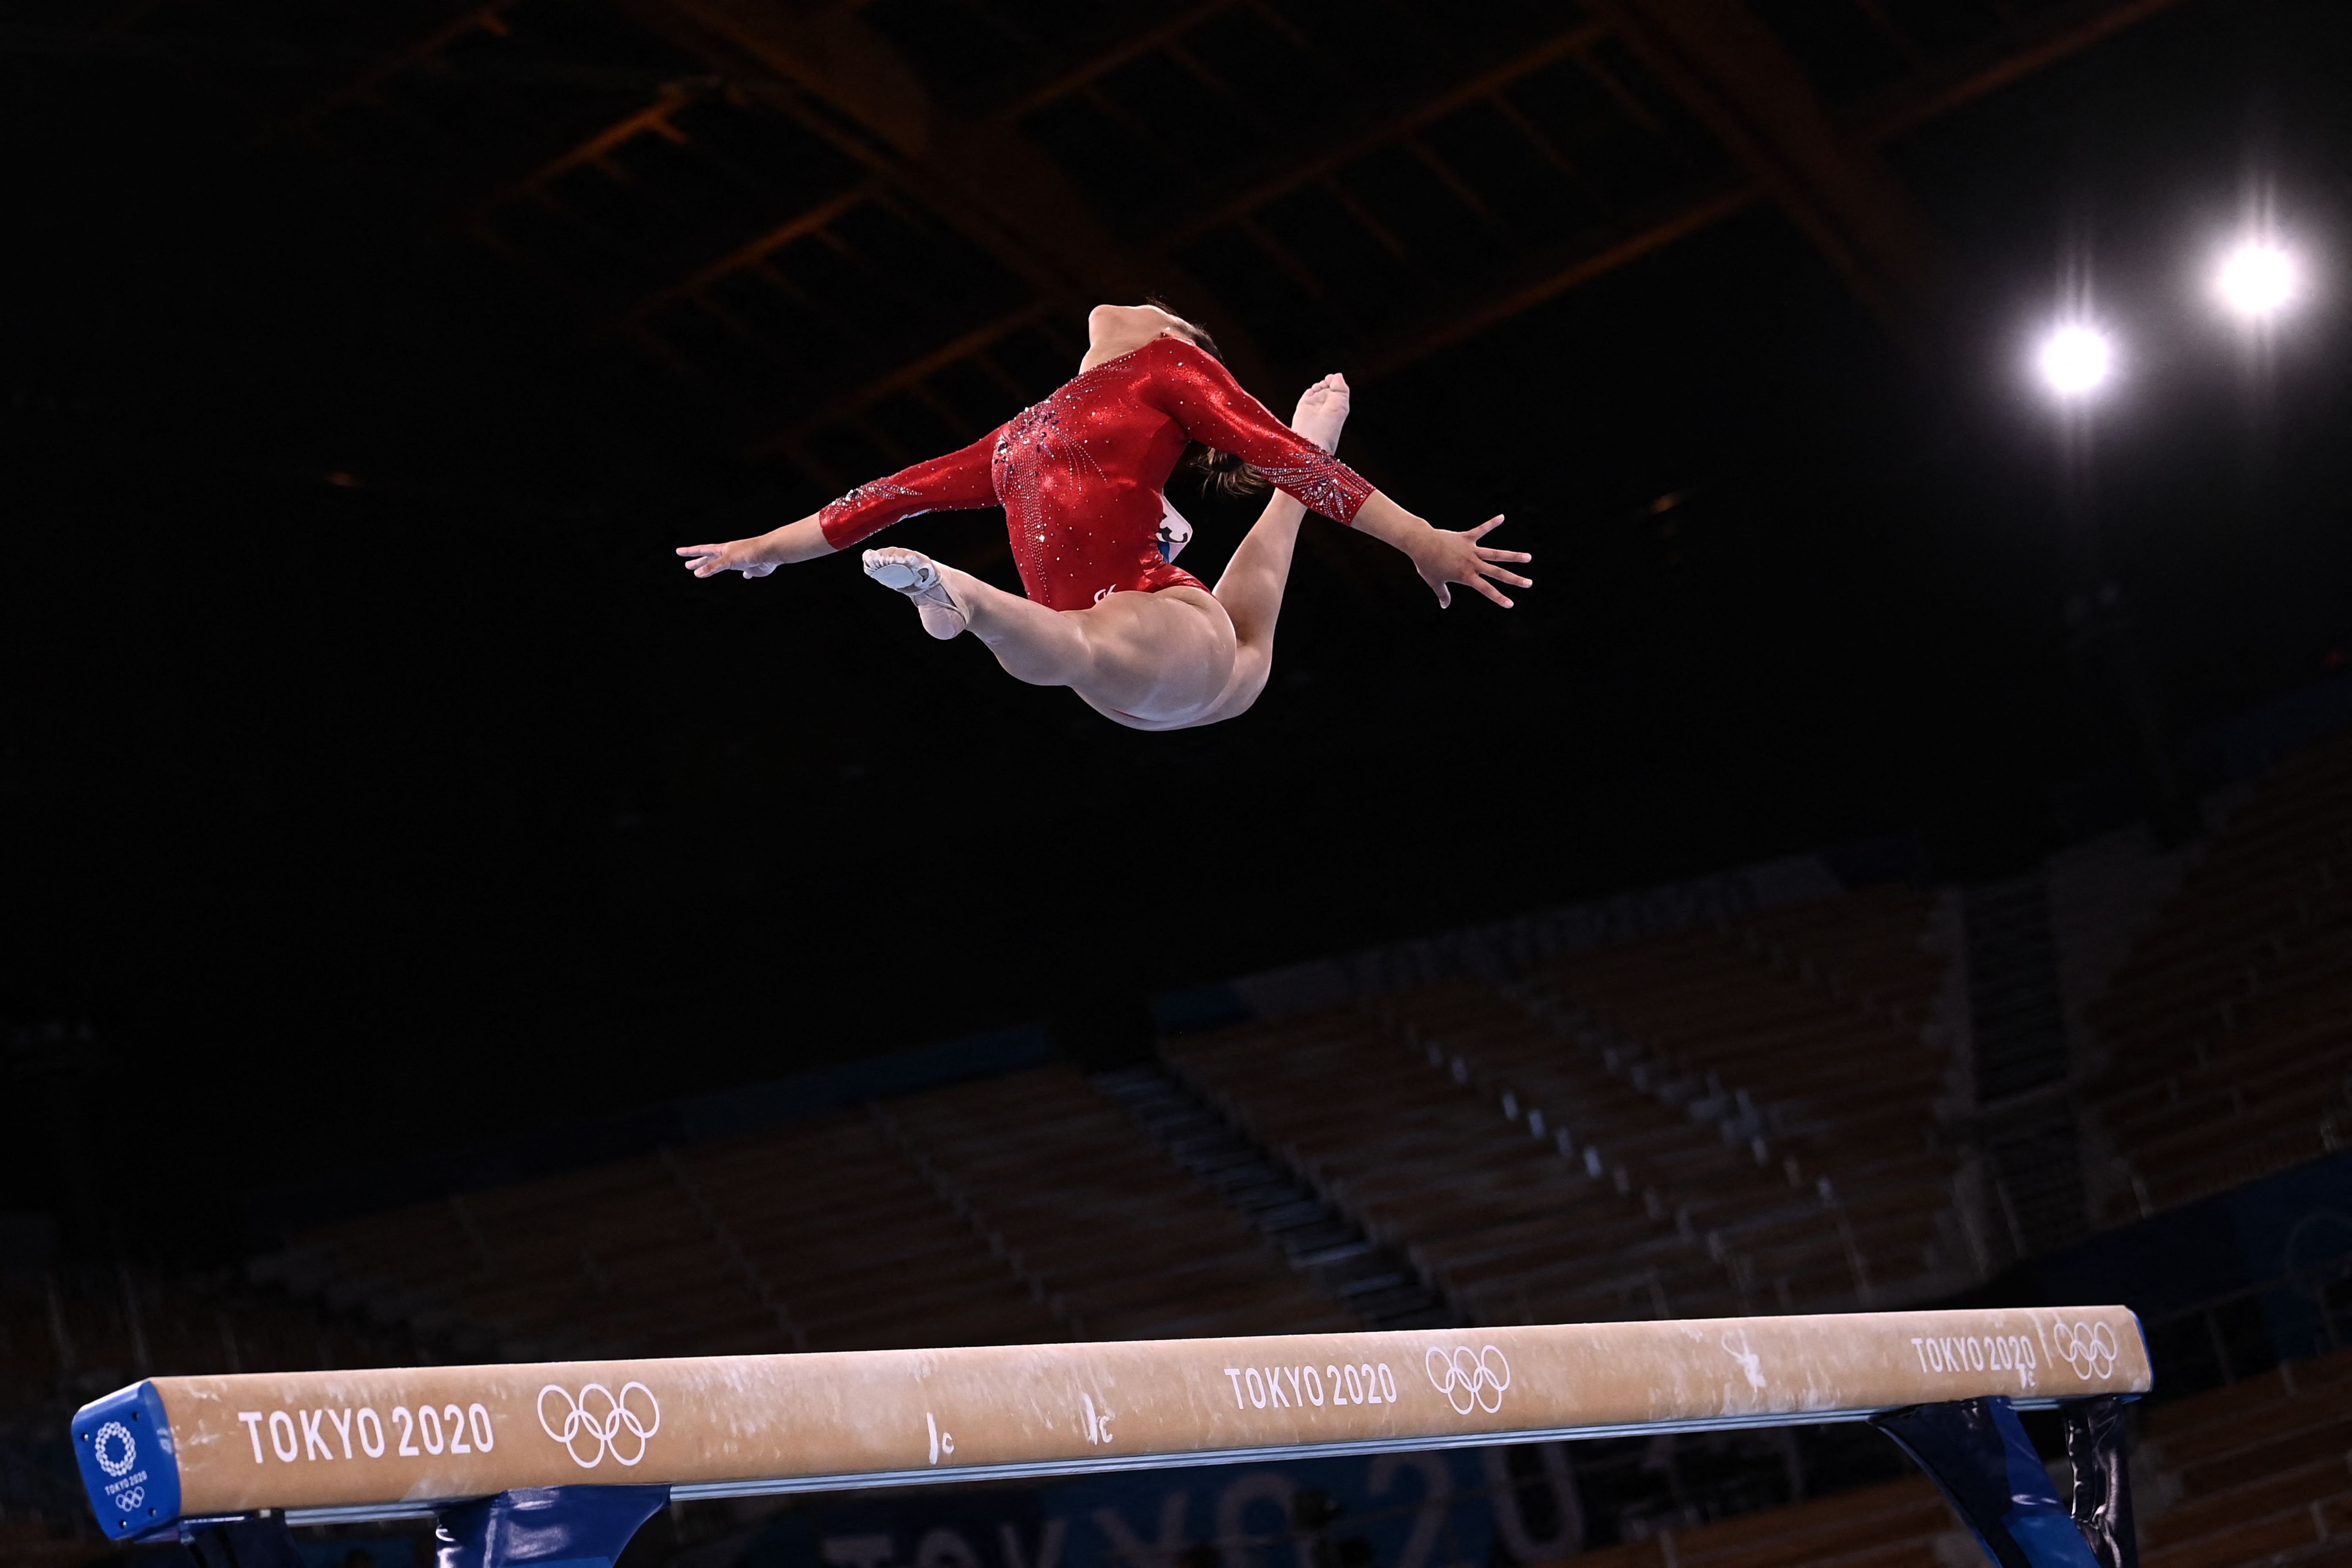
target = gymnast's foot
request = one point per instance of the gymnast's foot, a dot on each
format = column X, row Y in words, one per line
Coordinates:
column 1322, row 409
column 921, row 578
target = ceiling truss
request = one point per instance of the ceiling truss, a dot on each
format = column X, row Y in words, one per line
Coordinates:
column 863, row 242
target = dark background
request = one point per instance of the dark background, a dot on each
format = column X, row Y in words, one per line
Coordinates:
column 372, row 780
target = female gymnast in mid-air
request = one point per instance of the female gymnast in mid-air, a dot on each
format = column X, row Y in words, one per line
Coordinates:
column 1108, row 613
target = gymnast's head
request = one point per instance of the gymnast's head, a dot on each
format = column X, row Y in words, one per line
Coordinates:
column 1116, row 330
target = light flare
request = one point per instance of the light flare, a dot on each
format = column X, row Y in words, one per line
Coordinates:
column 2259, row 280
column 2075, row 361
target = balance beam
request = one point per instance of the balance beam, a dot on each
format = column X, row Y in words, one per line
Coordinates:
column 323, row 1446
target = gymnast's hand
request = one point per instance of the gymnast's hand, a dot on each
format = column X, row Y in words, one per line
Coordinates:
column 1443, row 558
column 802, row 541
column 744, row 555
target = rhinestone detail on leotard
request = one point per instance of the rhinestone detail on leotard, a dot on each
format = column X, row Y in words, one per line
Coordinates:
column 1033, row 452
column 1329, row 487
column 872, row 490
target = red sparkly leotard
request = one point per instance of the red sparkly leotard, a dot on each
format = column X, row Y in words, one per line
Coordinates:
column 1080, row 475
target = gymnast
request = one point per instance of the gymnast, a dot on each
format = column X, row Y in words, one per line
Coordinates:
column 1108, row 613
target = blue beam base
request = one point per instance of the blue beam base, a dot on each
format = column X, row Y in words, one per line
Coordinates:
column 1976, row 1451
column 546, row 1527
column 535, row 1527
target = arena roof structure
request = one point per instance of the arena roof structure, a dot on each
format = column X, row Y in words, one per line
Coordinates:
column 867, row 230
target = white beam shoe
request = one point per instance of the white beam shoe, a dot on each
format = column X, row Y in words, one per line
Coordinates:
column 917, row 577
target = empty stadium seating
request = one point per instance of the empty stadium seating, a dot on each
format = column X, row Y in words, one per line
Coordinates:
column 29, row 1544
column 2228, row 1030
column 2258, row 1471
column 1738, row 1118
column 985, row 1213
column 1074, row 1173
column 1899, row 1524
column 1798, row 1038
column 2255, row 1474
column 1732, row 1120
column 71, row 1333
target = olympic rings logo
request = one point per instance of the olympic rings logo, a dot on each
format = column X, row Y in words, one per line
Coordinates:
column 582, row 1423
column 1468, row 1382
column 114, row 1432
column 2088, row 1348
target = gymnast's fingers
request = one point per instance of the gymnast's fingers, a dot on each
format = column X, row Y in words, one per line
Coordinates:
column 1486, row 527
column 1486, row 554
column 1492, row 592
column 1499, row 575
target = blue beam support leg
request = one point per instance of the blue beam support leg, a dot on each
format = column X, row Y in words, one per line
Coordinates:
column 1977, row 1453
column 546, row 1527
column 533, row 1527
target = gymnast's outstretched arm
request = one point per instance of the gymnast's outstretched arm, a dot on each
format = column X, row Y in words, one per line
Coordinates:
column 1201, row 395
column 1441, row 556
column 959, row 481
column 757, row 556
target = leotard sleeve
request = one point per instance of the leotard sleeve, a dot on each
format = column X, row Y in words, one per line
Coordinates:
column 957, row 482
column 1203, row 396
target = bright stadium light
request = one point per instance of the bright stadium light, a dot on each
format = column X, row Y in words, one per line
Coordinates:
column 2259, row 280
column 2075, row 361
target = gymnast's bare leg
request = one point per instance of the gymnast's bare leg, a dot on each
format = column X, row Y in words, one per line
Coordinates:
column 1155, row 661
column 1252, row 587
column 1169, row 660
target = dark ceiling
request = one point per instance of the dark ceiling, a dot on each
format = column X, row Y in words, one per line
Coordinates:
column 372, row 775
column 855, row 232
